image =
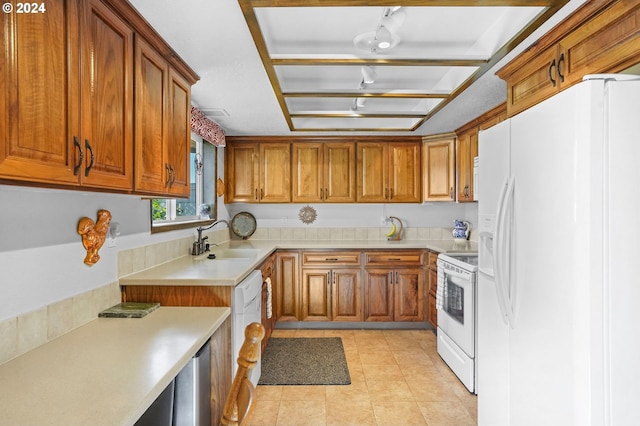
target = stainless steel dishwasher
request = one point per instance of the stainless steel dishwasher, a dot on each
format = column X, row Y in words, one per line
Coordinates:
column 192, row 401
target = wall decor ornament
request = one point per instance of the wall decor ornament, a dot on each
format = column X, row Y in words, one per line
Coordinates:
column 94, row 234
column 307, row 215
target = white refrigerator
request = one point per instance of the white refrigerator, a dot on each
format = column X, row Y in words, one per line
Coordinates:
column 558, row 299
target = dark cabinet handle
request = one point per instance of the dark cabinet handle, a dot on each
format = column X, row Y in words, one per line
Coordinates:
column 76, row 168
column 335, row 259
column 560, row 63
column 391, row 194
column 552, row 66
column 261, row 193
column 172, row 173
column 256, row 196
column 451, row 192
column 92, row 159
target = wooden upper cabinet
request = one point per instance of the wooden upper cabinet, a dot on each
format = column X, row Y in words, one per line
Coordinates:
column 388, row 172
column 275, row 173
column 373, row 169
column 466, row 150
column 162, row 131
column 67, row 91
column 404, row 172
column 438, row 168
column 107, row 99
column 599, row 37
column 151, row 173
column 323, row 172
column 258, row 172
column 178, row 142
column 39, row 95
column 241, row 169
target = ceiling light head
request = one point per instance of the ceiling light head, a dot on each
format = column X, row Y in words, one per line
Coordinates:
column 370, row 41
column 368, row 74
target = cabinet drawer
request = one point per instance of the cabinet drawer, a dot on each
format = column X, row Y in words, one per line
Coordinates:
column 324, row 258
column 433, row 258
column 395, row 258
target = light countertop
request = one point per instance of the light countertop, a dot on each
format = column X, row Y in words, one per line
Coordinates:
column 107, row 372
column 200, row 271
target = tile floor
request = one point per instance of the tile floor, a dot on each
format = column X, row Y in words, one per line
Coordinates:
column 397, row 378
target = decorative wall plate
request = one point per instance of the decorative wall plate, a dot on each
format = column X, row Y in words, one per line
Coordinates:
column 307, row 215
column 243, row 225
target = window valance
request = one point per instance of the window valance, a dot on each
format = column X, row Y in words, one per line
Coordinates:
column 206, row 128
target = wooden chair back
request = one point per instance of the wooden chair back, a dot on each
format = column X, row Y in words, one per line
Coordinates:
column 238, row 407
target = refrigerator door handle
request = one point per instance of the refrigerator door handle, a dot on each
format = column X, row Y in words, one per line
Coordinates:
column 498, row 253
column 508, row 283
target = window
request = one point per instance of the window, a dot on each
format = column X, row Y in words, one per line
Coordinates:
column 201, row 206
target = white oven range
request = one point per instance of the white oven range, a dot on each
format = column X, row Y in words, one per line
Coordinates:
column 456, row 305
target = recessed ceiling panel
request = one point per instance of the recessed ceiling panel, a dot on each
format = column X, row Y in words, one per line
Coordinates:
column 407, row 62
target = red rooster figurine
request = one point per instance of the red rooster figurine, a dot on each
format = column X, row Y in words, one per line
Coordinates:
column 94, row 234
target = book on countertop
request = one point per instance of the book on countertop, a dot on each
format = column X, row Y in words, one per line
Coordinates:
column 129, row 310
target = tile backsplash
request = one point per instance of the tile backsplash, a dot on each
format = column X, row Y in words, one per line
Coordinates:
column 27, row 331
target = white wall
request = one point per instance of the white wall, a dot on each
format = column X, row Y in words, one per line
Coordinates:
column 41, row 253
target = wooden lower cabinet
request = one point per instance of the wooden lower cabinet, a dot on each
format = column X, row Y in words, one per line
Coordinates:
column 331, row 294
column 432, row 271
column 287, row 286
column 394, row 294
column 220, row 368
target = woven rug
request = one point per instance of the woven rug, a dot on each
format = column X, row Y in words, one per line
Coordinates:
column 304, row 361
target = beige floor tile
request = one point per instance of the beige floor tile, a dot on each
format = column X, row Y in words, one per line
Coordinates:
column 351, row 412
column 265, row 413
column 414, row 357
column 431, row 391
column 382, row 373
column 268, row 393
column 396, row 413
column 421, row 372
column 303, row 393
column 445, row 414
column 297, row 413
column 376, row 357
column 283, row 333
column 310, row 333
column 356, row 390
column 391, row 390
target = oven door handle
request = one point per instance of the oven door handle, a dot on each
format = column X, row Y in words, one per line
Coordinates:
column 453, row 273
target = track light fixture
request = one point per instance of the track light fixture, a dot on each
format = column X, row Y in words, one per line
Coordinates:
column 384, row 37
column 368, row 74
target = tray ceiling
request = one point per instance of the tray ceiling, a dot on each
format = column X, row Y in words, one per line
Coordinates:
column 331, row 71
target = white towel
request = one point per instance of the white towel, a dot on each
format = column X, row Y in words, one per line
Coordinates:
column 440, row 289
column 269, row 298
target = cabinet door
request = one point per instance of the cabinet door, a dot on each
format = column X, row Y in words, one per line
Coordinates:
column 432, row 313
column 307, row 176
column 404, row 173
column 241, row 170
column 533, row 82
column 339, row 173
column 438, row 170
column 275, row 173
column 287, row 286
column 107, row 99
column 378, row 295
column 178, row 142
column 346, row 295
column 466, row 150
column 372, row 172
column 409, row 295
column 316, row 294
column 151, row 171
column 39, row 95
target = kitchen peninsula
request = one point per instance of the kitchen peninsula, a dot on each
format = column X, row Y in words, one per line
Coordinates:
column 109, row 371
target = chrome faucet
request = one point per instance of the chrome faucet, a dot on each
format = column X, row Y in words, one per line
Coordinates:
column 200, row 246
